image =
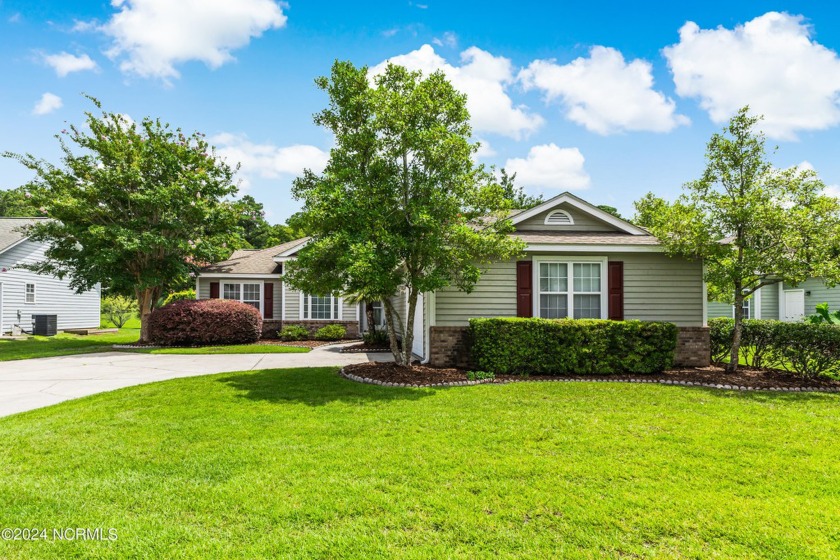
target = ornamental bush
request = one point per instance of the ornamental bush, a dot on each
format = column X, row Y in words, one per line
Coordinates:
column 205, row 322
column 571, row 347
column 805, row 349
column 178, row 296
column 293, row 332
column 330, row 332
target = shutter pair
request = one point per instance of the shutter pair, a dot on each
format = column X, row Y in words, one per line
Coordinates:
column 268, row 297
column 615, row 289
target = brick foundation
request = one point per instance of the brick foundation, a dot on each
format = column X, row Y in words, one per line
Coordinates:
column 450, row 347
column 272, row 326
column 693, row 347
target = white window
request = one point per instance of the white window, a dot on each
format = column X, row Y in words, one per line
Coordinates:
column 747, row 309
column 378, row 313
column 320, row 307
column 571, row 288
column 29, row 295
column 246, row 292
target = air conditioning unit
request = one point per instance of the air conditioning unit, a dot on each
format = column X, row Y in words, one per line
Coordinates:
column 44, row 325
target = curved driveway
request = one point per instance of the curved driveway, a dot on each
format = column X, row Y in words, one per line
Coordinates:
column 29, row 384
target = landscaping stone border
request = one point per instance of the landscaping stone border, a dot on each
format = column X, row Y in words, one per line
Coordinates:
column 369, row 381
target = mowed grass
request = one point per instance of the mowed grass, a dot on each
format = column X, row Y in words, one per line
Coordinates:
column 64, row 344
column 301, row 463
column 132, row 323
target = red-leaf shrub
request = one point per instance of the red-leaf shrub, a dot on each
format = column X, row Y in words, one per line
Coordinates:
column 204, row 322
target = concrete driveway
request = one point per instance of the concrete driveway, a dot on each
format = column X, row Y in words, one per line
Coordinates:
column 29, row 384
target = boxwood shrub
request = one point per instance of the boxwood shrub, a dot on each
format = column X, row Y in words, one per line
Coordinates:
column 571, row 347
column 204, row 322
column 331, row 332
column 805, row 349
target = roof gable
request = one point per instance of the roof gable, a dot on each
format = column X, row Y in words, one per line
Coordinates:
column 10, row 231
column 587, row 215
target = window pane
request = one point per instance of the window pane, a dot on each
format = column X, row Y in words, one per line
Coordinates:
column 587, row 277
column 321, row 307
column 230, row 291
column 587, row 307
column 251, row 292
column 305, row 306
column 554, row 277
column 378, row 313
column 747, row 309
column 553, row 306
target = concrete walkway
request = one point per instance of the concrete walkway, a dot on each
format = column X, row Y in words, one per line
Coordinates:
column 29, row 384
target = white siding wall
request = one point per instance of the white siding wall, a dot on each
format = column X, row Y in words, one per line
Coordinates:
column 656, row 288
column 52, row 296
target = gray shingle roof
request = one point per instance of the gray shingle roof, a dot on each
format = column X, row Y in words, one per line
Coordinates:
column 585, row 238
column 252, row 261
column 10, row 233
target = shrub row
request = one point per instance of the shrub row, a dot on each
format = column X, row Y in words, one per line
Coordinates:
column 571, row 347
column 806, row 349
column 204, row 322
column 299, row 332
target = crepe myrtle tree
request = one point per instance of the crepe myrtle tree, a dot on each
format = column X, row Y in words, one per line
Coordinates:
column 138, row 207
column 752, row 225
column 400, row 204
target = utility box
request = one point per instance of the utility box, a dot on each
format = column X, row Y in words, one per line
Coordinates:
column 45, row 325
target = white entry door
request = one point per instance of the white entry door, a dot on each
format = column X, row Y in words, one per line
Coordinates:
column 418, row 347
column 794, row 305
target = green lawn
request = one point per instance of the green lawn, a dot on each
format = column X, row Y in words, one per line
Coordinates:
column 133, row 323
column 301, row 463
column 63, row 344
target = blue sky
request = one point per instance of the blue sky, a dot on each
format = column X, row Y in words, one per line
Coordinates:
column 609, row 100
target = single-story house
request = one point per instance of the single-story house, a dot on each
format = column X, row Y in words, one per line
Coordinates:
column 782, row 301
column 24, row 293
column 579, row 262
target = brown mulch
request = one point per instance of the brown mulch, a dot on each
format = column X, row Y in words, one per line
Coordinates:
column 745, row 377
column 365, row 347
column 302, row 343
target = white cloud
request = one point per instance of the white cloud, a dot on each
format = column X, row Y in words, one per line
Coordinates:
column 485, row 79
column 485, row 150
column 267, row 160
column 448, row 39
column 152, row 36
column 768, row 63
column 832, row 190
column 48, row 103
column 65, row 63
column 604, row 93
column 550, row 167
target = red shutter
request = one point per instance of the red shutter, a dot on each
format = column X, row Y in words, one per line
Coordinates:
column 615, row 290
column 214, row 290
column 268, row 300
column 524, row 290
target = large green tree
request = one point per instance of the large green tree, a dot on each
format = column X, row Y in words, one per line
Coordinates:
column 752, row 225
column 401, row 204
column 17, row 203
column 256, row 232
column 138, row 207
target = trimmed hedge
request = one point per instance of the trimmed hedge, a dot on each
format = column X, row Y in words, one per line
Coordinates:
column 571, row 347
column 331, row 332
column 806, row 349
column 293, row 332
column 205, row 322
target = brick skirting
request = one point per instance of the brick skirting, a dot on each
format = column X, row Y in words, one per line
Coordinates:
column 272, row 326
column 450, row 347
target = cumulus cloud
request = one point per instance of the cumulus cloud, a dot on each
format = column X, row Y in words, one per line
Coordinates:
column 48, row 103
column 65, row 63
column 448, row 39
column 769, row 63
column 150, row 37
column 267, row 160
column 485, row 80
column 604, row 93
column 549, row 167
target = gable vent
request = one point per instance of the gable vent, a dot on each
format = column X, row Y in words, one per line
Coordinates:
column 559, row 218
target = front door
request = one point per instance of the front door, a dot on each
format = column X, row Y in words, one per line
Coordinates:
column 794, row 305
column 418, row 347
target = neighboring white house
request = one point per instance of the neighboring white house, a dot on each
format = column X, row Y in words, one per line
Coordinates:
column 24, row 293
column 783, row 302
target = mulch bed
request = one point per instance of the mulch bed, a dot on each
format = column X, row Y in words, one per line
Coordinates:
column 745, row 378
column 364, row 347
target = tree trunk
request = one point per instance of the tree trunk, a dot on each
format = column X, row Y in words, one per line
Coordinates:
column 371, row 321
column 145, row 300
column 734, row 353
column 391, row 320
column 408, row 328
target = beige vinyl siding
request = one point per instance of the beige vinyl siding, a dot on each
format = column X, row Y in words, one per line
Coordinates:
column 719, row 309
column 348, row 311
column 662, row 288
column 582, row 221
column 493, row 296
column 204, row 289
column 770, row 302
column 292, row 304
column 399, row 303
column 820, row 293
column 656, row 288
